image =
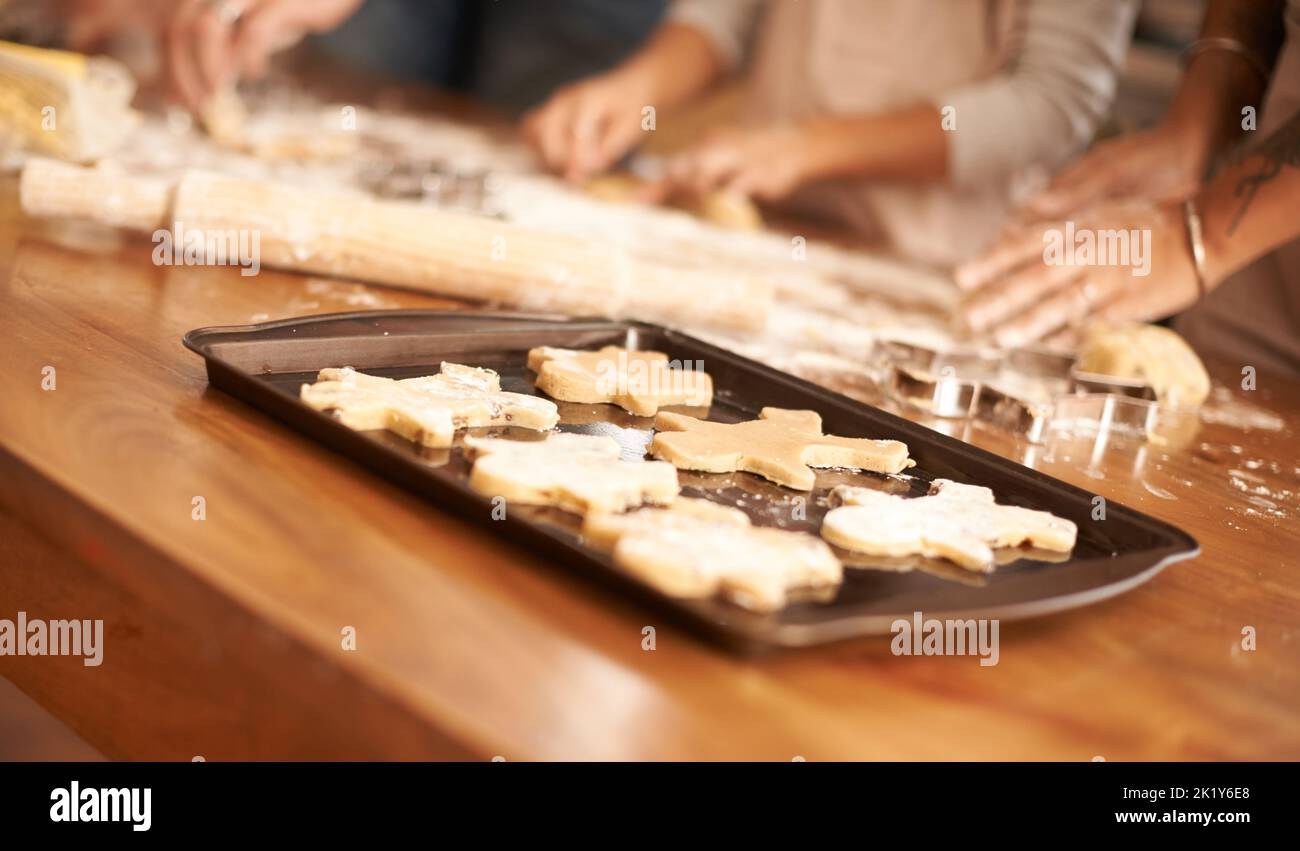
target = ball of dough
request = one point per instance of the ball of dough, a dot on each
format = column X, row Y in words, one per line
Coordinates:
column 1149, row 353
column 727, row 209
column 615, row 187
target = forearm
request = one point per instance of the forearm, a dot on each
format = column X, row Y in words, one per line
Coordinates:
column 1249, row 208
column 1217, row 84
column 908, row 144
column 677, row 63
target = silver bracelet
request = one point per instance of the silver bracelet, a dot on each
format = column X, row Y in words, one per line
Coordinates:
column 1231, row 45
column 1196, row 237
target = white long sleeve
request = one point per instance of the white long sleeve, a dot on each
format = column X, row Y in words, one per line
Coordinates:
column 727, row 24
column 1045, row 107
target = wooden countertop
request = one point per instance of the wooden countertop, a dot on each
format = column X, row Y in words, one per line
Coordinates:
column 224, row 636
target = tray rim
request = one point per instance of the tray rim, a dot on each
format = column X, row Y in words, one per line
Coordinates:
column 1182, row 546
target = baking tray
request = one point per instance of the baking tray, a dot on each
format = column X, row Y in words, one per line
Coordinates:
column 265, row 364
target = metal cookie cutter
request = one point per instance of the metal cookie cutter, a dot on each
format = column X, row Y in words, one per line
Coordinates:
column 1093, row 382
column 944, row 395
column 978, row 382
column 975, row 364
column 1024, row 391
column 1040, row 364
column 1020, row 400
column 1011, row 413
column 1105, row 404
column 1105, row 412
column 438, row 182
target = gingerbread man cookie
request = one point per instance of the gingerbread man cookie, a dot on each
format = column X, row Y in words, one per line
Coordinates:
column 961, row 523
column 428, row 409
column 780, row 445
column 574, row 472
column 695, row 549
column 638, row 382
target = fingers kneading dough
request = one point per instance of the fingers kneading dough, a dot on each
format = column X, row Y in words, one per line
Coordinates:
column 573, row 472
column 780, row 445
column 696, row 549
column 428, row 409
column 961, row 523
column 639, row 382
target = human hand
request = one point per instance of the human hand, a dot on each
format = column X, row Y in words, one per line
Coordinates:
column 767, row 164
column 587, row 126
column 1039, row 279
column 1163, row 164
column 91, row 23
column 209, row 44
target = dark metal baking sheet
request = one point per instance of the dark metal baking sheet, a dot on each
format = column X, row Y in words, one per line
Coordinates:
column 265, row 364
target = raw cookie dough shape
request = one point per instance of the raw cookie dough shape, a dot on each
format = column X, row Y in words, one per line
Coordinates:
column 721, row 207
column 429, row 409
column 1149, row 353
column 638, row 382
column 573, row 472
column 961, row 523
column 696, row 549
column 781, row 445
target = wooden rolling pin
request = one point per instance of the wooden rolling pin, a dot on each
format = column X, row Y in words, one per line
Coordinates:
column 404, row 245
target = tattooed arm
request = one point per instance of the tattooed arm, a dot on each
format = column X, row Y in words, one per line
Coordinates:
column 1247, row 210
column 1140, row 181
column 1170, row 160
column 1250, row 206
column 1218, row 84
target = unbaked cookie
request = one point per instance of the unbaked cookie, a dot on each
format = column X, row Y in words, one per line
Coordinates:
column 574, row 472
column 961, row 523
column 781, row 445
column 429, row 409
column 696, row 549
column 639, row 382
column 721, row 207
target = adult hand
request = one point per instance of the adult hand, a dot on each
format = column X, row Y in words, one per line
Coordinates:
column 1157, row 165
column 209, row 44
column 1042, row 278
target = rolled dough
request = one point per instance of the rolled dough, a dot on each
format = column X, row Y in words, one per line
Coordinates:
column 640, row 382
column 573, row 472
column 961, row 523
column 781, row 445
column 428, row 409
column 696, row 549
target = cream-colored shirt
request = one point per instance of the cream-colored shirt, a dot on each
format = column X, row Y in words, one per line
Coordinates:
column 1025, row 85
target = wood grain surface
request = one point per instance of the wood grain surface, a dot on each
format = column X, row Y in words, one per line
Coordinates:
column 224, row 635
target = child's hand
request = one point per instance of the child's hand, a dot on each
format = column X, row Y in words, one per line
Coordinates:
column 586, row 127
column 768, row 164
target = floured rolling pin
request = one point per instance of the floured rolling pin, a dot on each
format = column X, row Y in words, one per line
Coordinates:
column 419, row 248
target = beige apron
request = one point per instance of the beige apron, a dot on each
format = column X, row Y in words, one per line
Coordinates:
column 844, row 57
column 1253, row 317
